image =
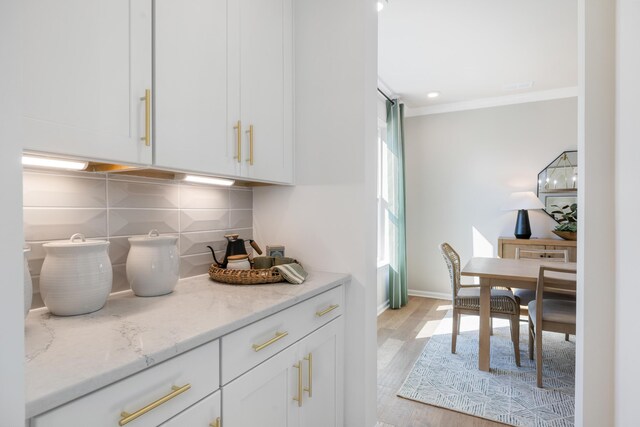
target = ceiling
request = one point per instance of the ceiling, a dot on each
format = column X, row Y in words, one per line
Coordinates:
column 474, row 50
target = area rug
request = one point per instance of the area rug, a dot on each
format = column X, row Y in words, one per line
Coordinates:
column 507, row 394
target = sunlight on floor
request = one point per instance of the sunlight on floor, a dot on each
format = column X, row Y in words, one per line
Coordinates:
column 467, row 323
column 444, row 307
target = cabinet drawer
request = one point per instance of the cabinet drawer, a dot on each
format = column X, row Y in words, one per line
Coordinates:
column 185, row 379
column 204, row 413
column 253, row 344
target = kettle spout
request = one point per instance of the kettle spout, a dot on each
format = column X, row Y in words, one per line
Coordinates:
column 214, row 257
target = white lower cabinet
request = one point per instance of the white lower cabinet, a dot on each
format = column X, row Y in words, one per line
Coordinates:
column 285, row 370
column 299, row 386
column 205, row 413
column 147, row 398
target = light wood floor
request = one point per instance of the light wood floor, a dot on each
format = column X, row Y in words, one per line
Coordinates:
column 398, row 349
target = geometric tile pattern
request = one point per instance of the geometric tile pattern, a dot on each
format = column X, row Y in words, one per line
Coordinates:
column 507, row 394
column 115, row 207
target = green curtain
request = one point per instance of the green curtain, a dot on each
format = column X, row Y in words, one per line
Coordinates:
column 398, row 295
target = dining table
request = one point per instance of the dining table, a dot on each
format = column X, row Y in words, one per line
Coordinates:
column 504, row 272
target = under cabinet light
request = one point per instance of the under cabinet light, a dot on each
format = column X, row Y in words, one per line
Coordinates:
column 208, row 180
column 48, row 162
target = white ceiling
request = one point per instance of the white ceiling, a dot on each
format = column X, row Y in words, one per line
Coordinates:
column 471, row 49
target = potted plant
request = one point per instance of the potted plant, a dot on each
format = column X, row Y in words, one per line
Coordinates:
column 567, row 216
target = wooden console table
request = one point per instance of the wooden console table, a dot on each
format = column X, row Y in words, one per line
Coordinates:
column 507, row 246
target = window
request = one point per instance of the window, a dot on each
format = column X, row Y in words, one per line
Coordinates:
column 384, row 169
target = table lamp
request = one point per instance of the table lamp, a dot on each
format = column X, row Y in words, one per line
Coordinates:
column 521, row 201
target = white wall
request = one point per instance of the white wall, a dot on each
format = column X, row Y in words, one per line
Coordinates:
column 627, row 177
column 460, row 169
column 11, row 302
column 596, row 229
column 328, row 220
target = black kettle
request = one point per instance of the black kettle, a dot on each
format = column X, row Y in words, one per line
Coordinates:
column 235, row 246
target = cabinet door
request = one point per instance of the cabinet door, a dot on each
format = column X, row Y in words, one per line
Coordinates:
column 572, row 251
column 204, row 413
column 87, row 67
column 191, row 87
column 322, row 359
column 509, row 250
column 265, row 43
column 264, row 396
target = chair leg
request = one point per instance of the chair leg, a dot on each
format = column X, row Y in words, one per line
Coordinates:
column 515, row 337
column 530, row 339
column 566, row 337
column 458, row 329
column 491, row 326
column 539, row 358
column 454, row 331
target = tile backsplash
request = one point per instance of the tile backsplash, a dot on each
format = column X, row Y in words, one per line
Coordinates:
column 115, row 207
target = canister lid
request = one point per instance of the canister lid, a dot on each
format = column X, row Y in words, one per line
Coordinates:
column 153, row 237
column 77, row 240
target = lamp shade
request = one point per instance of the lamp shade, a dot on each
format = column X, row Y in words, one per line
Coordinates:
column 522, row 200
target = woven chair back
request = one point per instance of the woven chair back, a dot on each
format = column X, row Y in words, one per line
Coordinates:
column 452, row 259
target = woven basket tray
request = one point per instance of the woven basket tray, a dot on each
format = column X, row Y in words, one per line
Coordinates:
column 245, row 277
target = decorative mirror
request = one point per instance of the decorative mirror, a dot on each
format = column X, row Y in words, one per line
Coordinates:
column 558, row 183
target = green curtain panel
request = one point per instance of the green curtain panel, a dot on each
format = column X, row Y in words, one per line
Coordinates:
column 398, row 294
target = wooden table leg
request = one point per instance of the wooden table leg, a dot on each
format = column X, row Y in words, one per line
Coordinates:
column 484, row 350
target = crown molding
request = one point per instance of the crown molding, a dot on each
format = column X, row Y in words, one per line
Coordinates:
column 520, row 98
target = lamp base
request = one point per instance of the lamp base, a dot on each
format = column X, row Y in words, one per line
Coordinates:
column 523, row 228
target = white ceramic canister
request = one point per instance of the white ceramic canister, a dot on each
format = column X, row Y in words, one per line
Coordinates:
column 153, row 264
column 28, row 285
column 76, row 276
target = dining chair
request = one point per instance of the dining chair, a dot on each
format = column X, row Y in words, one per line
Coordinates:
column 525, row 296
column 547, row 314
column 466, row 300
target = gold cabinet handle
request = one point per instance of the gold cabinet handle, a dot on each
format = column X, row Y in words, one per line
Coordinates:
column 127, row 417
column 279, row 335
column 298, row 399
column 216, row 423
column 238, row 128
column 309, row 389
column 250, row 132
column 326, row 310
column 147, row 117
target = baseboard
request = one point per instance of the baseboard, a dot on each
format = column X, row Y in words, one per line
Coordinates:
column 429, row 294
column 382, row 307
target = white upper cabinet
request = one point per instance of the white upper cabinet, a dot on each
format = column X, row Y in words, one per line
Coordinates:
column 261, row 86
column 87, row 64
column 193, row 131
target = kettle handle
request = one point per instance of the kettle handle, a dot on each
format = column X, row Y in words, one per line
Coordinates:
column 255, row 246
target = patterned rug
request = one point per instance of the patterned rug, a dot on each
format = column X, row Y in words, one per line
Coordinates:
column 507, row 394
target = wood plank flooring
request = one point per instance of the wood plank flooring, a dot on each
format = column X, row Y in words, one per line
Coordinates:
column 402, row 334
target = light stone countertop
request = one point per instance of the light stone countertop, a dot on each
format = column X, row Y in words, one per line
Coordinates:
column 67, row 357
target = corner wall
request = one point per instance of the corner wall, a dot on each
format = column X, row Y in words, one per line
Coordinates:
column 328, row 220
column 596, row 226
column 627, row 177
column 462, row 166
column 11, row 258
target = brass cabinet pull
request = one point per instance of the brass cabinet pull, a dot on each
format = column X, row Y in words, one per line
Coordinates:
column 309, row 389
column 327, row 310
column 127, row 417
column 298, row 399
column 147, row 117
column 250, row 132
column 277, row 337
column 216, row 423
column 238, row 128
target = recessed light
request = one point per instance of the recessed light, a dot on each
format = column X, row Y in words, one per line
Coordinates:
column 52, row 163
column 433, row 94
column 380, row 6
column 208, row 180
